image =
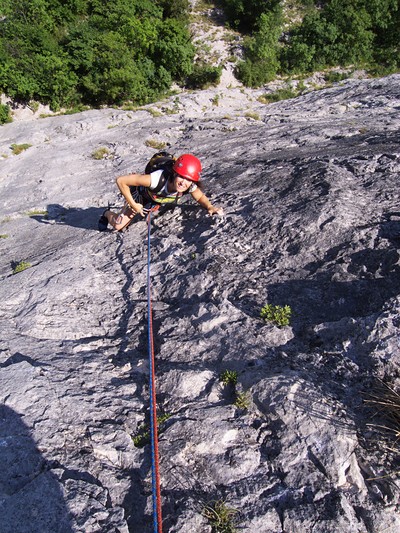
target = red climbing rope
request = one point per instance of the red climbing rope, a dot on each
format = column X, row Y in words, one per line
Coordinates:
column 155, row 467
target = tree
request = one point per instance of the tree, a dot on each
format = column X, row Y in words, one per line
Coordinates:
column 177, row 9
column 244, row 15
column 338, row 34
column 92, row 51
column 173, row 49
column 5, row 114
column 262, row 51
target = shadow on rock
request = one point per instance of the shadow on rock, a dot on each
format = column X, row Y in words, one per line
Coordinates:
column 390, row 228
column 124, row 320
column 70, row 216
column 341, row 285
column 30, row 497
column 18, row 358
column 136, row 499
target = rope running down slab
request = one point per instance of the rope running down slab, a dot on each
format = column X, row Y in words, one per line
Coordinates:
column 155, row 468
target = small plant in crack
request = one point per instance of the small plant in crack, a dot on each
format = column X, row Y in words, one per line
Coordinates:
column 157, row 145
column 222, row 518
column 20, row 266
column 143, row 435
column 277, row 314
column 385, row 399
column 101, row 153
column 37, row 212
column 229, row 377
column 239, row 398
column 242, row 400
column 19, row 148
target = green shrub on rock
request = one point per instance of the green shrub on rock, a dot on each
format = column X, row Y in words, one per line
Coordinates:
column 5, row 114
column 21, row 266
column 229, row 377
column 203, row 76
column 222, row 518
column 278, row 315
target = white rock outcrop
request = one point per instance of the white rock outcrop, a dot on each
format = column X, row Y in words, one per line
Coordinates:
column 312, row 220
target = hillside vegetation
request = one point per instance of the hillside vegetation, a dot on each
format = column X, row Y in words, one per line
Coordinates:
column 92, row 52
column 303, row 36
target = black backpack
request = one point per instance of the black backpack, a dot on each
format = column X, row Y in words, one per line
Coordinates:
column 161, row 161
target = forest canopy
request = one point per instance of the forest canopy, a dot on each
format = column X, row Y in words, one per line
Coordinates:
column 94, row 52
column 66, row 53
column 362, row 33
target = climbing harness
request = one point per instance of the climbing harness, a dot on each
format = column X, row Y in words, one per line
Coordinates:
column 155, row 470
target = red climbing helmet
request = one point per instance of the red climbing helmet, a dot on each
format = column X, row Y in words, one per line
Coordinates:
column 188, row 166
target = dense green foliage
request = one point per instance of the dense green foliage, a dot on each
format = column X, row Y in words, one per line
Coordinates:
column 278, row 315
column 5, row 114
column 362, row 33
column 74, row 53
column 262, row 50
column 92, row 51
column 203, row 76
column 244, row 15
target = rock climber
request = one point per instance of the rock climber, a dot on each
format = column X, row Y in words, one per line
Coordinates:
column 162, row 186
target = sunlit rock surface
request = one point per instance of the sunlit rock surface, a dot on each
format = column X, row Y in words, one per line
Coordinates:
column 310, row 189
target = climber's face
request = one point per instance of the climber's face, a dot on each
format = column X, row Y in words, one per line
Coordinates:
column 181, row 184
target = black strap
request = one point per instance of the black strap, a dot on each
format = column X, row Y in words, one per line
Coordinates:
column 162, row 181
